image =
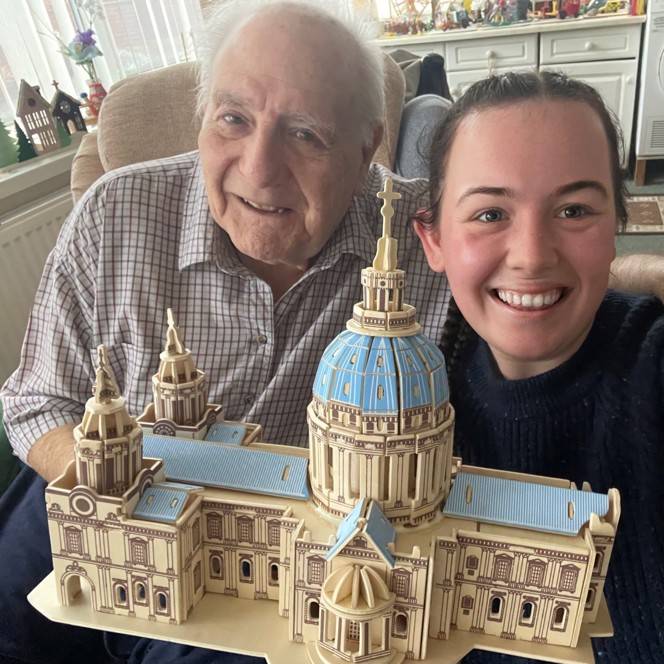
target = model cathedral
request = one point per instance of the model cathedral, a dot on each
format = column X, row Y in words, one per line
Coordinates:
column 380, row 546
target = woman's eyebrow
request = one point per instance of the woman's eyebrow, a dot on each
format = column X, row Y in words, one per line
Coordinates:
column 486, row 190
column 579, row 185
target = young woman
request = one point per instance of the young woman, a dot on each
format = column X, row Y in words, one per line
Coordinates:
column 550, row 373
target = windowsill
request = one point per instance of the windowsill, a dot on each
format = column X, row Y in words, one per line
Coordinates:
column 28, row 181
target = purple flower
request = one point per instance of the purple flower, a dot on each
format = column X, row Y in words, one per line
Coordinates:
column 85, row 38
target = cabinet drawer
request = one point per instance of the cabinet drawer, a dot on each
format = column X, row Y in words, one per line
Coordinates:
column 460, row 81
column 588, row 45
column 491, row 54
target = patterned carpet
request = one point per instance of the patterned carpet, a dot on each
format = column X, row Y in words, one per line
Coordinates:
column 646, row 214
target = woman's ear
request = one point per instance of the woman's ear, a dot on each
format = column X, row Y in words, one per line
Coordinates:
column 430, row 239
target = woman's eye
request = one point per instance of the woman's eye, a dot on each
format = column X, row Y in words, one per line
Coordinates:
column 490, row 215
column 573, row 211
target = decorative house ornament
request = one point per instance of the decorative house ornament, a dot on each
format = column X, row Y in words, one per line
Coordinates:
column 379, row 547
column 68, row 110
column 35, row 115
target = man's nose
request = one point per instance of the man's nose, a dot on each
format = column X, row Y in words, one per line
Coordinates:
column 532, row 244
column 262, row 159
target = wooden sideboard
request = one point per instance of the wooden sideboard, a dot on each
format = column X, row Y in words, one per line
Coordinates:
column 602, row 51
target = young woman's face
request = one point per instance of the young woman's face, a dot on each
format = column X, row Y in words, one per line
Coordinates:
column 526, row 229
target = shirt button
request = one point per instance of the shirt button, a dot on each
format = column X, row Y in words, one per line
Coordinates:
column 261, row 339
column 249, row 398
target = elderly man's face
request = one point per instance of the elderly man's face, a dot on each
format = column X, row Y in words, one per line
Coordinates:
column 281, row 145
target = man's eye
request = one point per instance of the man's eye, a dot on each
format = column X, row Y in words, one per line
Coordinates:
column 306, row 135
column 490, row 215
column 573, row 212
column 232, row 118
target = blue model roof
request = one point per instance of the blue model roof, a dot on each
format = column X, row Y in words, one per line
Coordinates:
column 223, row 432
column 539, row 507
column 375, row 525
column 229, row 467
column 161, row 502
column 380, row 531
column 382, row 374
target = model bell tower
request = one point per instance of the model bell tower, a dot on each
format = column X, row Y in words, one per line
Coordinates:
column 109, row 443
column 380, row 422
column 179, row 389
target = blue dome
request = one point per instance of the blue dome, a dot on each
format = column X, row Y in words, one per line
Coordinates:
column 382, row 375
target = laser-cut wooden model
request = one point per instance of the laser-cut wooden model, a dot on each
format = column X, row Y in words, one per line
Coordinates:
column 185, row 519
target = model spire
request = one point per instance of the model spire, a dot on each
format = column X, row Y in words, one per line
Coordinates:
column 179, row 389
column 382, row 311
column 386, row 256
column 174, row 345
column 105, row 388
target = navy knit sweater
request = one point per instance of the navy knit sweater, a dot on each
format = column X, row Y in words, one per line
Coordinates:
column 599, row 417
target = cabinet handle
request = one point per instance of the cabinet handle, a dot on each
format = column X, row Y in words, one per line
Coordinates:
column 629, row 79
column 490, row 57
column 589, row 46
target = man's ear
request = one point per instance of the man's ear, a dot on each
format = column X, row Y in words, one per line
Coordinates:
column 368, row 152
column 430, row 239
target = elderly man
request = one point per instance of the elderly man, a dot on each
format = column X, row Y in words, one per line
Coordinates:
column 256, row 241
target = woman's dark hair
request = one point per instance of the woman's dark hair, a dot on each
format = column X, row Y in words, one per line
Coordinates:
column 502, row 90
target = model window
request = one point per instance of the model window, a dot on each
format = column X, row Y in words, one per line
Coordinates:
column 216, row 566
column 401, row 583
column 599, row 557
column 353, row 631
column 214, row 526
column 274, row 572
column 559, row 618
column 273, row 532
column 315, row 570
column 162, row 602
column 568, row 578
column 74, row 540
column 313, row 610
column 139, row 591
column 535, row 576
column 139, row 551
column 245, row 529
column 197, row 576
column 502, row 568
column 246, row 570
column 120, row 595
column 196, row 533
column 496, row 608
column 527, row 614
column 590, row 598
column 467, row 602
column 400, row 624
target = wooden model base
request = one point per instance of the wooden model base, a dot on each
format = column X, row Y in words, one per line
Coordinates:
column 221, row 623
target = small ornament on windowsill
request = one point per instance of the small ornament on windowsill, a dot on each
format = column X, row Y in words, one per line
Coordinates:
column 83, row 50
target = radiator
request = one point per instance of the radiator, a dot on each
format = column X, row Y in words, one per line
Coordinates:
column 26, row 238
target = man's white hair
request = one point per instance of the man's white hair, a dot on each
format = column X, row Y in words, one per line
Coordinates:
column 225, row 19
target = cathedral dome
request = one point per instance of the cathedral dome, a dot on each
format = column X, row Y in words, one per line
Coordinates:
column 397, row 382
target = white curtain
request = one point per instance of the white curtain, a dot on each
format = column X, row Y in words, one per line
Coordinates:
column 133, row 35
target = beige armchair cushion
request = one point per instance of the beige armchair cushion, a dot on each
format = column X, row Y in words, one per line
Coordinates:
column 153, row 115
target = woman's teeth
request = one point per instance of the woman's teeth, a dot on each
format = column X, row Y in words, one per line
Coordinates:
column 529, row 300
column 264, row 208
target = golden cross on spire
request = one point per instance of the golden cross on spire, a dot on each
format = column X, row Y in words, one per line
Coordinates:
column 386, row 256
